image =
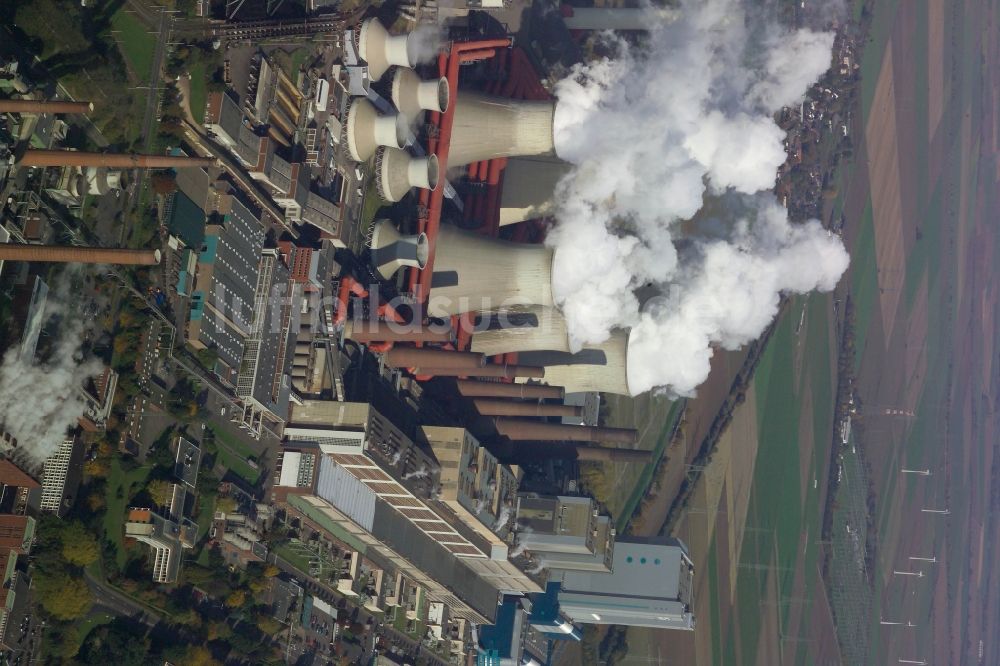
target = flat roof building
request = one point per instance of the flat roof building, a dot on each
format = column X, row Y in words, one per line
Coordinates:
column 60, row 476
column 166, row 538
column 565, row 532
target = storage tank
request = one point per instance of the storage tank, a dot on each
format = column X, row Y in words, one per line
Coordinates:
column 488, row 127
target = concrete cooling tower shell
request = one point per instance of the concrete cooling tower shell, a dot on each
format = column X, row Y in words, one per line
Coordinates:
column 397, row 172
column 391, row 251
column 521, row 329
column 380, row 50
column 529, row 185
column 366, row 130
column 473, row 273
column 488, row 127
column 412, row 96
column 600, row 367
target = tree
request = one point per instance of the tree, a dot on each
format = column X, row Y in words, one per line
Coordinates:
column 96, row 468
column 64, row 597
column 163, row 182
column 96, row 502
column 116, row 644
column 199, row 655
column 79, row 546
column 225, row 504
column 271, row 571
column 161, row 491
column 236, row 599
column 268, row 624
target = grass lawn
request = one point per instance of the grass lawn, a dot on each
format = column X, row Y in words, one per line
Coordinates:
column 238, row 466
column 199, row 91
column 137, row 46
column 114, row 517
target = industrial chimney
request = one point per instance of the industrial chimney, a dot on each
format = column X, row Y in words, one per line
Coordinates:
column 600, row 367
column 77, row 255
column 43, row 106
column 522, row 430
column 529, row 185
column 521, row 329
column 473, row 273
column 498, row 407
column 471, row 388
column 488, row 127
column 390, row 250
column 50, row 158
column 374, row 330
column 412, row 96
column 380, row 50
column 397, row 172
column 366, row 130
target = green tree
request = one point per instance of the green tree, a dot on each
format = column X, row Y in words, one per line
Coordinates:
column 63, row 596
column 79, row 546
column 161, row 491
column 199, row 655
column 116, row 644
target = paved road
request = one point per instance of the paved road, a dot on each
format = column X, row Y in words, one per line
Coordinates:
column 118, row 603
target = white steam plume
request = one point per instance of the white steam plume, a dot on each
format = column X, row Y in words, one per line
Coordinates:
column 40, row 401
column 425, row 42
column 650, row 133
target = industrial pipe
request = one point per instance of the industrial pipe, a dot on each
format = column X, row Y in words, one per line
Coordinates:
column 409, row 357
column 501, row 371
column 43, row 106
column 381, row 331
column 602, row 454
column 522, row 430
column 496, row 390
column 49, row 158
column 77, row 255
column 496, row 407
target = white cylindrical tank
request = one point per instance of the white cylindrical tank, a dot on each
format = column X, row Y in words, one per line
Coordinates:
column 380, row 50
column 412, row 96
column 101, row 180
column 391, row 251
column 529, row 185
column 600, row 367
column 365, row 130
column 617, row 18
column 521, row 329
column 473, row 273
column 397, row 172
column 488, row 127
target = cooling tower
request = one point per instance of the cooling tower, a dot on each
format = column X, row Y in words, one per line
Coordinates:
column 616, row 18
column 497, row 407
column 390, row 250
column 77, row 255
column 50, row 158
column 489, row 127
column 529, row 185
column 520, row 329
column 470, row 388
column 397, row 172
column 380, row 50
column 521, row 430
column 42, row 106
column 473, row 273
column 596, row 368
column 412, row 96
column 366, row 130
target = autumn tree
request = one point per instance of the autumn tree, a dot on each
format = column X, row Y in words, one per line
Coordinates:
column 199, row 655
column 161, row 491
column 79, row 546
column 63, row 596
column 236, row 599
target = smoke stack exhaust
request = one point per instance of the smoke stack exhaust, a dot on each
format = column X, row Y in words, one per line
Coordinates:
column 51, row 158
column 44, row 106
column 380, row 50
column 391, row 251
column 78, row 255
column 397, row 172
column 366, row 130
column 489, row 127
column 471, row 389
column 412, row 96
column 522, row 430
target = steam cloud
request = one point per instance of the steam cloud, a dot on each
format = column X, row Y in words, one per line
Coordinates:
column 651, row 133
column 425, row 42
column 40, row 401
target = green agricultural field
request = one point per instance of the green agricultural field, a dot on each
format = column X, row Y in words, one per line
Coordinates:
column 136, row 44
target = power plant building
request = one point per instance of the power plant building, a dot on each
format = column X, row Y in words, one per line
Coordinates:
column 565, row 532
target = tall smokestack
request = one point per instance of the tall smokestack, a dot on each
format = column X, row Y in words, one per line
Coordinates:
column 602, row 454
column 391, row 251
column 366, row 130
column 50, row 158
column 490, row 127
column 78, row 255
column 496, row 407
column 470, row 388
column 43, row 106
column 502, row 371
column 412, row 96
column 380, row 331
column 410, row 357
column 522, row 430
column 380, row 50
column 473, row 273
column 397, row 172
